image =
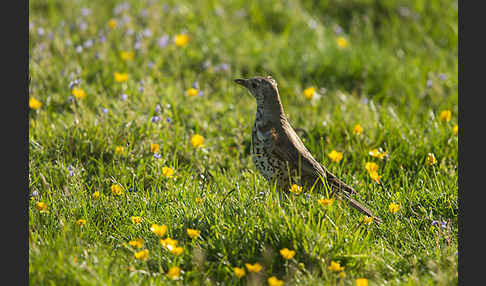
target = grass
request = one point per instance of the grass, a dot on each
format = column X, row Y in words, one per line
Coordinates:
column 395, row 77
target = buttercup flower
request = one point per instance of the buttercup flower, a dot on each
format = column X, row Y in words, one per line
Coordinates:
column 142, row 255
column 274, row 281
column 167, row 172
column 95, row 195
column 41, row 206
column 127, row 55
column 154, row 148
column 181, row 40
column 368, row 219
column 342, row 42
column 81, row 222
column 445, row 115
column 371, row 167
column 177, row 250
column 193, row 233
column 286, row 253
column 197, row 140
column 361, row 282
column 78, row 93
column 455, row 129
column 309, row 92
column 393, row 208
column 239, row 272
column 174, row 272
column 112, row 23
column 169, row 243
column 357, row 129
column 325, row 202
column 138, row 243
column 120, row 77
column 378, row 153
column 34, row 103
column 192, row 92
column 335, row 156
column 118, row 150
column 159, row 230
column 116, row 189
column 374, row 176
column 257, row 267
column 335, row 266
column 342, row 274
column 296, row 189
column 430, row 160
column 136, row 219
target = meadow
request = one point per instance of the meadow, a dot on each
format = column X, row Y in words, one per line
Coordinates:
column 140, row 170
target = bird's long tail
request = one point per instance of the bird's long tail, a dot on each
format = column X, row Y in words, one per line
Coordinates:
column 344, row 191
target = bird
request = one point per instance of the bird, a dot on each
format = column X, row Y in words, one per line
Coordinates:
column 280, row 155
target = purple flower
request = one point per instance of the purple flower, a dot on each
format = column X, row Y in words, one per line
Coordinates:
column 429, row 83
column 163, row 41
column 85, row 11
column 435, row 222
column 147, row 33
column 71, row 171
column 137, row 45
column 88, row 43
column 104, row 110
column 157, row 156
column 338, row 30
column 40, row 31
column 130, row 32
column 79, row 49
column 83, row 26
column 169, row 120
column 150, row 64
column 222, row 67
column 130, row 190
column 35, row 193
column 155, row 118
column 195, row 84
column 157, row 108
column 124, row 96
column 443, row 76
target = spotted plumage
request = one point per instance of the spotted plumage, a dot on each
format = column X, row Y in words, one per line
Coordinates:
column 277, row 151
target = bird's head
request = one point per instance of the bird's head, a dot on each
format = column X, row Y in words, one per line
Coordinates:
column 264, row 89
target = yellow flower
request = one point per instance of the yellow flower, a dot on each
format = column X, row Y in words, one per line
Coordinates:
column 368, row 219
column 118, row 150
column 455, row 129
column 159, row 230
column 142, row 255
column 394, row 208
column 154, row 148
column 374, row 176
column 197, row 140
column 361, row 282
column 378, row 153
column 138, row 243
column 430, row 160
column 192, row 92
column 177, row 250
column 371, row 167
column 116, row 189
column 445, row 115
column 335, row 156
column 78, row 93
column 34, row 103
column 127, row 55
column 257, row 267
column 342, row 42
column 168, row 243
column 325, row 202
column 309, row 92
column 357, row 129
column 296, row 189
column 239, row 272
column 41, row 206
column 198, row 200
column 286, row 253
column 174, row 272
column 342, row 274
column 181, row 40
column 167, row 172
column 112, row 23
column 335, row 266
column 81, row 222
column 193, row 233
column 95, row 195
column 136, row 219
column 120, row 77
column 274, row 281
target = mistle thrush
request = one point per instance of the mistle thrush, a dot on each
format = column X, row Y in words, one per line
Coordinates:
column 279, row 153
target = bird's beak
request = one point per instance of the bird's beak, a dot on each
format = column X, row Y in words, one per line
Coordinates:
column 242, row 82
